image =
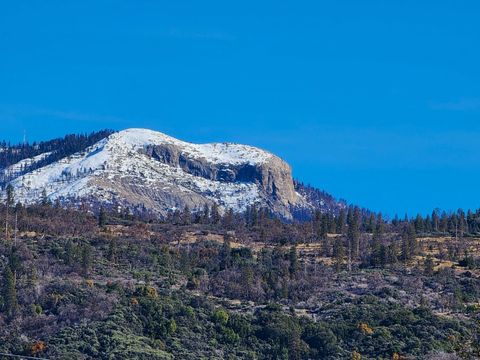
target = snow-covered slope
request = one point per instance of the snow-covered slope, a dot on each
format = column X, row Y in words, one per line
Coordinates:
column 144, row 170
column 20, row 166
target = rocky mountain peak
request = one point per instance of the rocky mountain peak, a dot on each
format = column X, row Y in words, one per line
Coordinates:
column 145, row 170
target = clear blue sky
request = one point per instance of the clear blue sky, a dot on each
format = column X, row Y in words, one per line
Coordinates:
column 377, row 102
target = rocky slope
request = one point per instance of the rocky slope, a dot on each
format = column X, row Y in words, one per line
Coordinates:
column 147, row 171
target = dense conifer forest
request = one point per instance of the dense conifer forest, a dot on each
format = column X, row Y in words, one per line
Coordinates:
column 206, row 285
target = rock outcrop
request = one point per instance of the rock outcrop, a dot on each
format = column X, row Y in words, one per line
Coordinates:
column 274, row 176
column 144, row 170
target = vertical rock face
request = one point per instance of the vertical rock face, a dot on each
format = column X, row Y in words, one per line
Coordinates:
column 272, row 176
column 144, row 170
column 277, row 182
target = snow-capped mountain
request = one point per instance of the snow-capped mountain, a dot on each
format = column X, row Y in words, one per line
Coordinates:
column 147, row 171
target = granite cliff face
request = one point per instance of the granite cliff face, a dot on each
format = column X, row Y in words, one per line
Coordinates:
column 147, row 171
column 273, row 176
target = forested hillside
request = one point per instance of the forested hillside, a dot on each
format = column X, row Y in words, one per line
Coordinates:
column 238, row 286
column 54, row 150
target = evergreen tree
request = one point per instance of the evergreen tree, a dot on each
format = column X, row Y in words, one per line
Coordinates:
column 215, row 214
column 324, row 226
column 9, row 292
column 382, row 255
column 470, row 222
column 379, row 228
column 10, row 199
column 427, row 224
column 102, row 217
column 186, row 215
column 69, row 253
column 428, row 266
column 112, row 251
column 253, row 221
column 392, row 253
column 371, row 223
column 331, row 224
column 353, row 232
column 320, row 224
column 461, row 222
column 405, row 249
column 378, row 250
column 226, row 253
column 443, row 225
column 338, row 253
column 45, row 200
column 419, row 225
column 14, row 262
column 86, row 259
column 435, row 221
column 228, row 219
column 412, row 240
column 341, row 222
column 293, row 258
column 206, row 214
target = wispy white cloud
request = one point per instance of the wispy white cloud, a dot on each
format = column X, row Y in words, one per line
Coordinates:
column 463, row 104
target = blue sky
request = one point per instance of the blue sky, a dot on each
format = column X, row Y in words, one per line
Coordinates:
column 377, row 102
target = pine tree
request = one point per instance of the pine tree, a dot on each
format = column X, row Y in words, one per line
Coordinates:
column 86, row 259
column 338, row 253
column 215, row 214
column 324, row 226
column 186, row 215
column 353, row 232
column 206, row 214
column 14, row 262
column 378, row 251
column 331, row 224
column 405, row 250
column 228, row 219
column 45, row 200
column 371, row 223
column 419, row 226
column 9, row 292
column 392, row 253
column 226, row 253
column 293, row 258
column 461, row 222
column 69, row 253
column 435, row 221
column 253, row 219
column 379, row 228
column 102, row 217
column 443, row 225
column 412, row 240
column 112, row 251
column 383, row 255
column 428, row 266
column 470, row 222
column 341, row 222
column 10, row 200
